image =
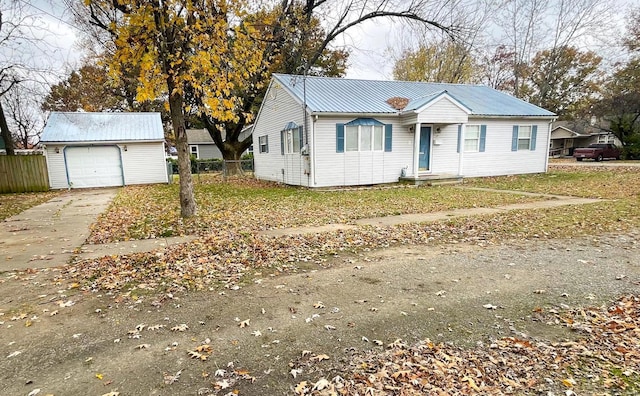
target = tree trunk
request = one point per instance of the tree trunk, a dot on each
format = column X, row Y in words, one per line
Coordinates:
column 233, row 166
column 6, row 134
column 188, row 207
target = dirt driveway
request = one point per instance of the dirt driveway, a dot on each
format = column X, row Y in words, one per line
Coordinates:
column 60, row 341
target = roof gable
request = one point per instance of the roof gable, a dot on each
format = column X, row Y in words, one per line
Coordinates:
column 339, row 95
column 102, row 127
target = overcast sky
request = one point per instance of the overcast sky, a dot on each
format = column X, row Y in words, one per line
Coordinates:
column 368, row 43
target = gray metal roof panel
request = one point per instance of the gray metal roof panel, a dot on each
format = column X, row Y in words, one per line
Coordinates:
column 102, row 127
column 339, row 95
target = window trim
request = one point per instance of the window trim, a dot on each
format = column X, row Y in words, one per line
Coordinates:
column 292, row 139
column 197, row 150
column 516, row 137
column 477, row 138
column 263, row 147
column 361, row 126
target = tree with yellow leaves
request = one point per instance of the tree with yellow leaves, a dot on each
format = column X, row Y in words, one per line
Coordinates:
column 216, row 55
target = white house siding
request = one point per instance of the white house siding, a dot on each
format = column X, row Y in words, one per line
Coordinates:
column 359, row 168
column 278, row 109
column 444, row 149
column 442, row 111
column 144, row 163
column 56, row 167
column 498, row 159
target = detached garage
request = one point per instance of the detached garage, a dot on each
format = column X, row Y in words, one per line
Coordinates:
column 86, row 150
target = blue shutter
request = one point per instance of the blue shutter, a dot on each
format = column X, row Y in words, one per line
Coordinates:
column 483, row 137
column 459, row 136
column 514, row 139
column 388, row 132
column 339, row 138
column 534, row 135
column 282, row 138
column 301, row 132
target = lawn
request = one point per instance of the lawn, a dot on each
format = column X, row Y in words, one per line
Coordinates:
column 229, row 248
column 13, row 204
column 141, row 212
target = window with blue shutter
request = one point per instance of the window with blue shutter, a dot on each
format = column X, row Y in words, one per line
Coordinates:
column 459, row 137
column 339, row 138
column 534, row 136
column 483, row 138
column 364, row 134
column 524, row 137
column 514, row 138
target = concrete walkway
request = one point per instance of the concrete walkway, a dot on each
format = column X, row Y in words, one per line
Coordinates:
column 51, row 234
column 48, row 234
column 553, row 201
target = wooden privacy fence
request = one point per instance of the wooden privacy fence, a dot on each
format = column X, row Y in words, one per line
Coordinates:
column 23, row 173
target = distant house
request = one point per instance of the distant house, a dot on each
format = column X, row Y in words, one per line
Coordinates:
column 319, row 131
column 568, row 135
column 104, row 149
column 202, row 146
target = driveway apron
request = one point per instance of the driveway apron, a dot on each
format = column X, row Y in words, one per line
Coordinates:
column 47, row 235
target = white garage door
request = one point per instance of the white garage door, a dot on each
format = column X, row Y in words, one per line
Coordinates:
column 94, row 166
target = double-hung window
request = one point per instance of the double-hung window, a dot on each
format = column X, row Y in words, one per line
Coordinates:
column 524, row 137
column 263, row 143
column 472, row 138
column 363, row 135
column 292, row 139
column 194, row 151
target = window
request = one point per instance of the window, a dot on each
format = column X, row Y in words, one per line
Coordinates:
column 194, row 151
column 364, row 137
column 351, row 137
column 263, row 142
column 363, row 134
column 292, row 139
column 472, row 138
column 524, row 137
column 608, row 138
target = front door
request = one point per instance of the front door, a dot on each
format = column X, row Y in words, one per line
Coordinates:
column 425, row 147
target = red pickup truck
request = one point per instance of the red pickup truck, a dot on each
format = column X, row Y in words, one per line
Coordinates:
column 597, row 152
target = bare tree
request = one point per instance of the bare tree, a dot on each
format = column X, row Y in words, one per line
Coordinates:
column 526, row 27
column 24, row 59
column 24, row 117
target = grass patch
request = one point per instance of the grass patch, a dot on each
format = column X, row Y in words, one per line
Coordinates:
column 596, row 182
column 140, row 212
column 13, row 204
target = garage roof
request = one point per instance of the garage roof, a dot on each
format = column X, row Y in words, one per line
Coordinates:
column 103, row 127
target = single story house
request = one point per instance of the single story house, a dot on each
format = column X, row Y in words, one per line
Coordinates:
column 104, row 149
column 321, row 132
column 202, row 146
column 569, row 135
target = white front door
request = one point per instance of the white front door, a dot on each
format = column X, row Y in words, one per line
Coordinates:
column 94, row 166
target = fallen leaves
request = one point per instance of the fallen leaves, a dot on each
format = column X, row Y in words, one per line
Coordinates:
column 606, row 355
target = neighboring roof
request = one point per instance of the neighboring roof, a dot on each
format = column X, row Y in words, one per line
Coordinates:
column 202, row 136
column 102, row 127
column 339, row 95
column 199, row 136
column 581, row 128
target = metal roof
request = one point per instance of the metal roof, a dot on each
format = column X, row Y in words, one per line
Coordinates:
column 340, row 95
column 102, row 127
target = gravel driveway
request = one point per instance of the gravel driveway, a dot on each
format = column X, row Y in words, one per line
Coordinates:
column 98, row 343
